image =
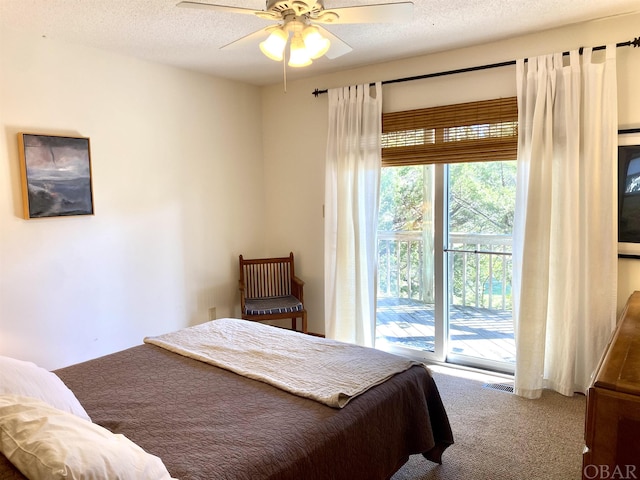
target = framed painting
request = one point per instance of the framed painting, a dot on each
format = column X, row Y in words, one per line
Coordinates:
column 56, row 175
column 629, row 194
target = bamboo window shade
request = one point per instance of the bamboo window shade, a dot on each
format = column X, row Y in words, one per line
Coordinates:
column 467, row 132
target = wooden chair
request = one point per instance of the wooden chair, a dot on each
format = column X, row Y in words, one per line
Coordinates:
column 270, row 290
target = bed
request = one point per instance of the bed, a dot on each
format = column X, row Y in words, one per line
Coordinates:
column 207, row 422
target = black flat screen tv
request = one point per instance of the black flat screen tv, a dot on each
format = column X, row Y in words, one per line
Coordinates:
column 629, row 195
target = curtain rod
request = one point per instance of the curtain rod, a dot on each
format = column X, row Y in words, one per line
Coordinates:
column 635, row 42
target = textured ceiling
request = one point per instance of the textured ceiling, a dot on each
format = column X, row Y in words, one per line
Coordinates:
column 158, row 31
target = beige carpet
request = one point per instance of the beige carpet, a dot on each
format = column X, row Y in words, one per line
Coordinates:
column 500, row 436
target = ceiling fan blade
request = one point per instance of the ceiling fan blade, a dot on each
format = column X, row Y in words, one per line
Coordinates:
column 253, row 39
column 338, row 47
column 381, row 13
column 227, row 8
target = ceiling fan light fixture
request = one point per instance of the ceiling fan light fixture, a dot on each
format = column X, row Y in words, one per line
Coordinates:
column 314, row 42
column 273, row 46
column 299, row 56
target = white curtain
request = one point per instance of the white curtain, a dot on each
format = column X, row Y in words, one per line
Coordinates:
column 565, row 232
column 351, row 212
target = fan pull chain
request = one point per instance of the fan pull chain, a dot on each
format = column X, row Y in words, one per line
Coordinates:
column 284, row 70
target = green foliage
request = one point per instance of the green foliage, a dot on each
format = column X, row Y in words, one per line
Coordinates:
column 402, row 209
column 401, row 199
column 482, row 197
column 481, row 201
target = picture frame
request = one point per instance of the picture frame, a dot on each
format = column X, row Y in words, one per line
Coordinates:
column 629, row 193
column 56, row 175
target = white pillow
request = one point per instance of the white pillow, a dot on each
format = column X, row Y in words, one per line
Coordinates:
column 25, row 378
column 44, row 442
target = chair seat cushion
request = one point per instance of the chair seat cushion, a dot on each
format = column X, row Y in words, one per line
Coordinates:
column 271, row 305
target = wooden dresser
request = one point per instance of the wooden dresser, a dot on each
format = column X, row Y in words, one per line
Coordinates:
column 612, row 426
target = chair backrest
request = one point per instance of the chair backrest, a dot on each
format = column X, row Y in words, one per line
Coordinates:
column 266, row 277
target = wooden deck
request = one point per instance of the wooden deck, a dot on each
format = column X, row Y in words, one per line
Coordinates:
column 476, row 332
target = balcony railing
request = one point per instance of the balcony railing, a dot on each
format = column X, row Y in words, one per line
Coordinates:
column 479, row 267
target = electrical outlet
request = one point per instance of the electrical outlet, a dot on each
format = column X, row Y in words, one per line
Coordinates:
column 212, row 313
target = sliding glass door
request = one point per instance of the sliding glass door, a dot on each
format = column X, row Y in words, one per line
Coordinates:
column 406, row 259
column 480, row 209
column 444, row 263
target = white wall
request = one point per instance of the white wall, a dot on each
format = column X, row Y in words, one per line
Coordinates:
column 178, row 189
column 295, row 129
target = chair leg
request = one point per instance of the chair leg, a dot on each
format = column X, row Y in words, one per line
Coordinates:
column 304, row 322
column 293, row 323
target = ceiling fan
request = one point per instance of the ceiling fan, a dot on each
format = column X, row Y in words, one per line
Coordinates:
column 299, row 19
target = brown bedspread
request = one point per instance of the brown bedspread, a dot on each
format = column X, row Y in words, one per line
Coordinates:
column 206, row 423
